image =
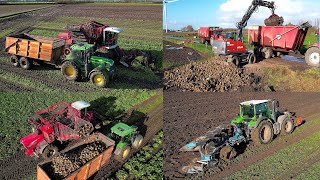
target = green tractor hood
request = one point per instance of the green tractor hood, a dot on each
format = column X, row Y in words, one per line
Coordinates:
column 99, row 59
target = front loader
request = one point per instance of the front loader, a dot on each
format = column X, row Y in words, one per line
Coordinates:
column 258, row 121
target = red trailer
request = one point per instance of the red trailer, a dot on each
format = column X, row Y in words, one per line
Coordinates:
column 277, row 40
column 205, row 33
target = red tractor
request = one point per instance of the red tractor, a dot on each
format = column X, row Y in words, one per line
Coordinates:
column 59, row 122
column 205, row 33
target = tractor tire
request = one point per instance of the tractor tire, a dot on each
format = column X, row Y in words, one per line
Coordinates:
column 312, row 57
column 227, row 152
column 99, row 79
column 137, row 142
column 70, row 71
column 14, row 60
column 124, row 154
column 287, row 126
column 49, row 151
column 236, row 61
column 252, row 58
column 263, row 134
column 25, row 63
column 267, row 52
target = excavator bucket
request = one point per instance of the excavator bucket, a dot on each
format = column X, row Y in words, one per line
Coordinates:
column 274, row 20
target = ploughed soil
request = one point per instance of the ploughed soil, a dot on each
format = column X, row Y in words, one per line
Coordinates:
column 21, row 166
column 179, row 54
column 211, row 76
column 189, row 115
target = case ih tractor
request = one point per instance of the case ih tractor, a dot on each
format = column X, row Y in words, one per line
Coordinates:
column 60, row 122
column 80, row 63
column 127, row 137
column 258, row 121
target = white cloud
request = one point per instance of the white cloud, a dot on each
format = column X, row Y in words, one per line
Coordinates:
column 294, row 11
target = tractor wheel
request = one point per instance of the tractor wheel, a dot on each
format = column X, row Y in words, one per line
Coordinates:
column 227, row 152
column 287, row 126
column 70, row 71
column 124, row 154
column 312, row 57
column 49, row 151
column 25, row 63
column 137, row 142
column 236, row 61
column 267, row 52
column 252, row 58
column 14, row 60
column 99, row 79
column 263, row 134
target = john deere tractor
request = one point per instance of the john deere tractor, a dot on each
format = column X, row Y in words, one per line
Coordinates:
column 259, row 121
column 81, row 63
column 127, row 137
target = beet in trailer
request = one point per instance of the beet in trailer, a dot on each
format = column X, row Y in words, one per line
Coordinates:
column 277, row 40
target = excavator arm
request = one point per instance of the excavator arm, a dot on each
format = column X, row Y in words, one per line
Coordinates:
column 252, row 8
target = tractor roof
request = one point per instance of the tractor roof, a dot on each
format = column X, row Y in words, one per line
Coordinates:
column 80, row 105
column 82, row 46
column 122, row 129
column 254, row 102
column 113, row 29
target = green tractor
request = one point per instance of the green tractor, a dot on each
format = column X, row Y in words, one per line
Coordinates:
column 80, row 63
column 260, row 120
column 127, row 137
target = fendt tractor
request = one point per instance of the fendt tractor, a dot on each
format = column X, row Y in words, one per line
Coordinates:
column 258, row 121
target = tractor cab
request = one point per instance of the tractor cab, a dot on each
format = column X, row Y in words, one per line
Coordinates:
column 82, row 107
column 110, row 37
column 122, row 131
column 80, row 51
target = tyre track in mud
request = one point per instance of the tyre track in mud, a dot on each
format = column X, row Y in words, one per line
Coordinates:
column 153, row 127
column 193, row 118
column 7, row 86
column 52, row 83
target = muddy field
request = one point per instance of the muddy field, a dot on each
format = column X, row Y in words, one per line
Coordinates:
column 179, row 54
column 189, row 115
column 10, row 9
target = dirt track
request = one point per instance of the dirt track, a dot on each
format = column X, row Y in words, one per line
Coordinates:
column 189, row 115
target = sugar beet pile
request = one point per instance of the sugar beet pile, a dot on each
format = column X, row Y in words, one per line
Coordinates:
column 64, row 164
column 213, row 75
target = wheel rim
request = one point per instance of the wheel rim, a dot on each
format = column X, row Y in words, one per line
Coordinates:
column 314, row 58
column 125, row 153
column 288, row 126
column 14, row 61
column 69, row 71
column 265, row 133
column 140, row 142
column 23, row 63
column 98, row 79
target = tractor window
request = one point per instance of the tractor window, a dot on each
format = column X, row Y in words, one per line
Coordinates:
column 248, row 110
column 111, row 38
column 262, row 109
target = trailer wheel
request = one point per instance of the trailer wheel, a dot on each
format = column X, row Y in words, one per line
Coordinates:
column 312, row 57
column 99, row 79
column 25, row 63
column 124, row 154
column 263, row 134
column 137, row 142
column 252, row 58
column 236, row 61
column 287, row 126
column 70, row 71
column 49, row 151
column 267, row 52
column 67, row 51
column 14, row 60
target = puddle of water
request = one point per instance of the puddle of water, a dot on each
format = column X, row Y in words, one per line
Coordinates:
column 175, row 48
column 292, row 58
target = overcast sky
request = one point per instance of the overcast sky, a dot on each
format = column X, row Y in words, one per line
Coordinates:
column 225, row 13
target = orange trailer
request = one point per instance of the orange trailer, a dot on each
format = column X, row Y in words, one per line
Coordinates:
column 26, row 49
column 90, row 167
